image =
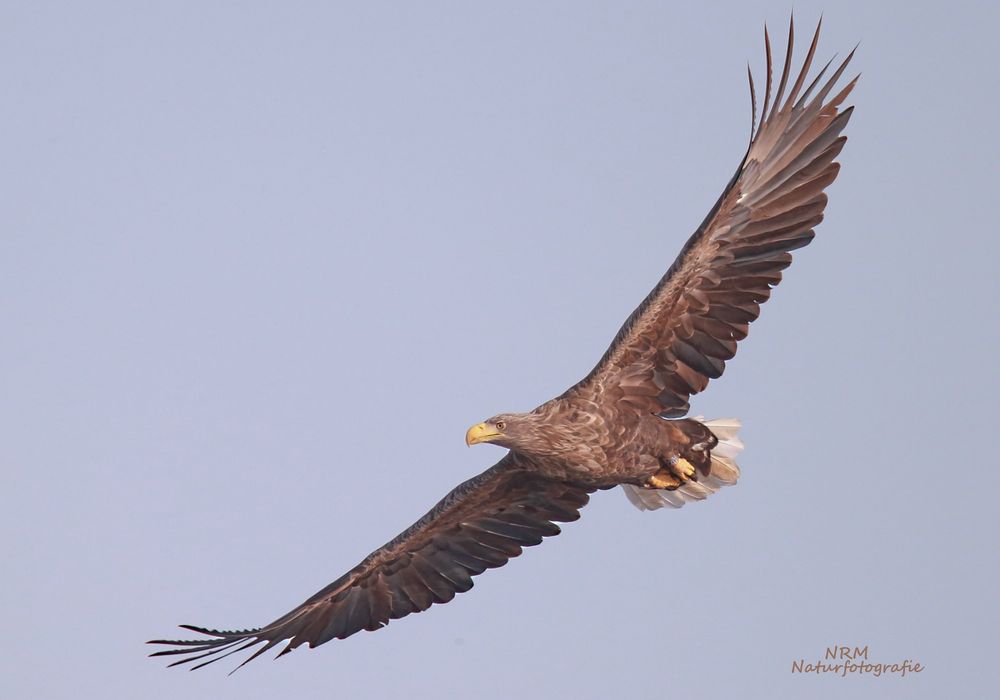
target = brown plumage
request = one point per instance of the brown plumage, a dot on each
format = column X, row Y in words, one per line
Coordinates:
column 610, row 428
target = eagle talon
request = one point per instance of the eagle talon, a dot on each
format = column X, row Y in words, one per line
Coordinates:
column 663, row 479
column 679, row 472
column 683, row 469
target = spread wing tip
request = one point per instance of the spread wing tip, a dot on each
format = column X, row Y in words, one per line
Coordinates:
column 220, row 635
column 221, row 641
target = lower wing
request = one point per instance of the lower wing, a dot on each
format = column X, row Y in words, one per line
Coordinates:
column 480, row 525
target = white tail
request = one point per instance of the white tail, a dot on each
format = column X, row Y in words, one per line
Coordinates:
column 724, row 471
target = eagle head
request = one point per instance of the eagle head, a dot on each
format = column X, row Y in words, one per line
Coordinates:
column 504, row 429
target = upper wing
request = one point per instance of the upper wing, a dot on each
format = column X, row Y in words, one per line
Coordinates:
column 684, row 331
column 479, row 525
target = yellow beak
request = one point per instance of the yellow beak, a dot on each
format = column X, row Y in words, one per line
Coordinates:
column 480, row 433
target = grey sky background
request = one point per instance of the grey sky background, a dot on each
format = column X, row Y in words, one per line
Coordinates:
column 261, row 265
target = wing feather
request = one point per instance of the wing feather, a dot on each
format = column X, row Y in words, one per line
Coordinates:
column 689, row 325
column 480, row 525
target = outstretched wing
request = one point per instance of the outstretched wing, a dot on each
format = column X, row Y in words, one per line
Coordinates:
column 685, row 330
column 479, row 525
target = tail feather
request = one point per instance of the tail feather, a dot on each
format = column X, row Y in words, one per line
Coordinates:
column 724, row 472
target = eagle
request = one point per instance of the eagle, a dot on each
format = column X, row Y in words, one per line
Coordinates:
column 623, row 424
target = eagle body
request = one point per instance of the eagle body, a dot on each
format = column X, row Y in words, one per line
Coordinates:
column 599, row 445
column 625, row 423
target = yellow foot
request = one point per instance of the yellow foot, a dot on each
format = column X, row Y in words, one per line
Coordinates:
column 663, row 479
column 684, row 469
column 679, row 473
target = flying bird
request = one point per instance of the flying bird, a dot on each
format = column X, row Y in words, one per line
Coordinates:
column 623, row 424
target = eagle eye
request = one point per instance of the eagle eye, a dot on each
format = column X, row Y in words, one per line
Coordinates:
column 501, row 425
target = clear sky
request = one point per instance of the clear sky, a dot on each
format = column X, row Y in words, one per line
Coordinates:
column 262, row 264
